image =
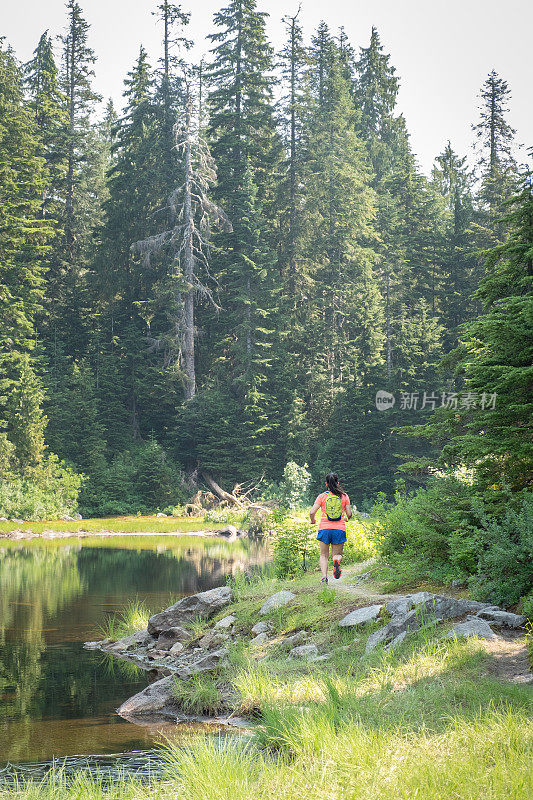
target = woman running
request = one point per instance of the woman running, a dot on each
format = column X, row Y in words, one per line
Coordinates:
column 335, row 505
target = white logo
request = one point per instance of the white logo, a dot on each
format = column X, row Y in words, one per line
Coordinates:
column 384, row 400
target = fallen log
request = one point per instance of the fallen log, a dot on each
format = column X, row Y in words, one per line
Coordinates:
column 218, row 490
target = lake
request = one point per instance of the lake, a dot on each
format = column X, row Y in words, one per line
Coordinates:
column 57, row 699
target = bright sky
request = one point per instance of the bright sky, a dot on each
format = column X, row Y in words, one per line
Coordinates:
column 442, row 50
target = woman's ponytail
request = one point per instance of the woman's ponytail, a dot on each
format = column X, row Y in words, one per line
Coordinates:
column 332, row 480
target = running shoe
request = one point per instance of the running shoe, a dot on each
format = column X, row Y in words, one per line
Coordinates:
column 324, row 580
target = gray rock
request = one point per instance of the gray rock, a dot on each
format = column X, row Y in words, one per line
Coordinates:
column 502, row 618
column 458, row 583
column 64, row 517
column 434, row 605
column 3, row 519
column 308, row 651
column 276, row 601
column 295, row 638
column 167, row 638
column 151, row 699
column 405, row 623
column 323, row 657
column 203, row 605
column 259, row 640
column 230, row 532
column 472, row 627
column 177, row 649
column 261, row 627
column 360, row 616
column 160, row 514
column 206, row 663
column 226, row 622
column 213, row 639
column 135, row 640
column 400, row 605
column 396, row 641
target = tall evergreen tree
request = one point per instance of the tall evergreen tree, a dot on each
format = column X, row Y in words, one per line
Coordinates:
column 454, row 181
column 340, row 211
column 48, row 105
column 496, row 164
column 24, row 243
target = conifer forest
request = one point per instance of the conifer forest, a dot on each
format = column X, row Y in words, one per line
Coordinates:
column 245, row 267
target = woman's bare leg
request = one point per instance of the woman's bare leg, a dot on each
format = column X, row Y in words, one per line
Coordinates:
column 336, row 551
column 324, row 558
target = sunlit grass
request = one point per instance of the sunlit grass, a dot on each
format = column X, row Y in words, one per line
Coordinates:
column 127, row 524
column 197, row 695
column 132, row 619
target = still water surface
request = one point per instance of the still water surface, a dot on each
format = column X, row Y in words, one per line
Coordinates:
column 57, row 699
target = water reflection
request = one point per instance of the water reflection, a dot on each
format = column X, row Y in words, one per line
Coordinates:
column 57, row 699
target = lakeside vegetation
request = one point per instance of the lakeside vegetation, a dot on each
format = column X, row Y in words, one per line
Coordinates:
column 426, row 719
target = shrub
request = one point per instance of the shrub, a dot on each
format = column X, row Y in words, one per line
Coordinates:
column 505, row 565
column 223, row 514
column 433, row 527
column 291, row 491
column 295, row 548
column 44, row 492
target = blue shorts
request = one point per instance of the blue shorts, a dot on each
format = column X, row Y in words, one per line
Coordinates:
column 331, row 536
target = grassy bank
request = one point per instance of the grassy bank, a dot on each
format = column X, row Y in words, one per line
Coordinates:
column 126, row 524
column 433, row 719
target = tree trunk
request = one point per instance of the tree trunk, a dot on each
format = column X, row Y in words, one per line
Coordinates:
column 188, row 258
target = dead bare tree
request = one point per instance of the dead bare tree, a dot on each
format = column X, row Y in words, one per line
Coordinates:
column 193, row 214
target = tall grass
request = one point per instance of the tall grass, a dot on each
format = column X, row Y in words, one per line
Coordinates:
column 132, row 619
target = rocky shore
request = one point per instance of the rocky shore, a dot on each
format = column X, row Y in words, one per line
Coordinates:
column 171, row 651
column 230, row 533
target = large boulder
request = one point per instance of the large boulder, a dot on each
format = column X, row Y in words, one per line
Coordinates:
column 434, row 605
column 473, row 626
column 502, row 618
column 229, row 533
column 360, row 616
column 276, row 601
column 155, row 697
column 203, row 605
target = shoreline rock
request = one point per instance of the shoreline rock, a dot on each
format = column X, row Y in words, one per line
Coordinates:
column 170, row 651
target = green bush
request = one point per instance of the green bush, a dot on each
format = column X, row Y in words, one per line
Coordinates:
column 142, row 479
column 224, row 515
column 445, row 531
column 295, row 548
column 292, row 490
column 505, row 564
column 435, row 526
column 44, row 492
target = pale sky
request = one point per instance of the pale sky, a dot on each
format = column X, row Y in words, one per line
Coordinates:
column 442, row 50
